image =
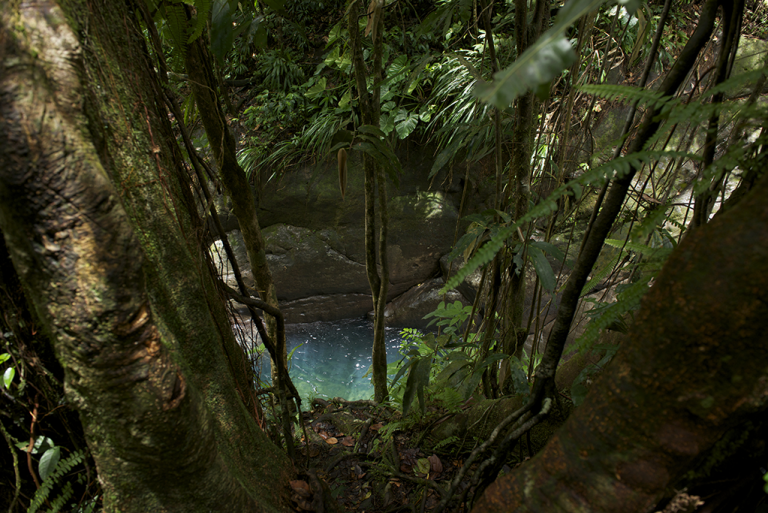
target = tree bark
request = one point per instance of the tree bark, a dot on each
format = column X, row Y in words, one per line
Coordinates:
column 203, row 84
column 693, row 367
column 115, row 272
column 375, row 184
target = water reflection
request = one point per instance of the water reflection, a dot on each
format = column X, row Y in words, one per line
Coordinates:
column 331, row 358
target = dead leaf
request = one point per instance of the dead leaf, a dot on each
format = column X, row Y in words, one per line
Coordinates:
column 332, row 440
column 301, row 488
column 376, row 427
column 436, row 466
column 348, row 441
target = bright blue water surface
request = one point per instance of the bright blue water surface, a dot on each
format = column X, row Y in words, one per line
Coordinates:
column 332, row 358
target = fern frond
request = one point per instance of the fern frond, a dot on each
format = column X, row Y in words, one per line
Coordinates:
column 63, row 467
column 614, row 169
column 447, row 441
column 600, row 275
column 203, row 7
column 626, row 93
column 177, row 26
column 627, row 301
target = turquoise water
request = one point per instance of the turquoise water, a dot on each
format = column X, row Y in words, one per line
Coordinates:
column 332, row 358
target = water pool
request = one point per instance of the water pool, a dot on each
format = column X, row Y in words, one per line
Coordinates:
column 331, row 358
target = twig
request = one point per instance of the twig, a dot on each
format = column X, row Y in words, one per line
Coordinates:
column 518, row 415
column 32, row 444
column 7, row 437
column 418, row 480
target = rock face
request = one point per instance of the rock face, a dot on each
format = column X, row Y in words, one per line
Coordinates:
column 409, row 309
column 315, row 239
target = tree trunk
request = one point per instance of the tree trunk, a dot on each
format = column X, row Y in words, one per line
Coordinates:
column 375, row 184
column 115, row 272
column 694, row 366
column 203, row 84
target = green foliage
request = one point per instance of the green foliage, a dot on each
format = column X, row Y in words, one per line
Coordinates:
column 613, row 169
column 9, row 372
column 539, row 64
column 63, row 467
column 278, row 70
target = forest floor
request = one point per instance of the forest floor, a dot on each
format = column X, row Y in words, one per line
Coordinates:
column 354, row 454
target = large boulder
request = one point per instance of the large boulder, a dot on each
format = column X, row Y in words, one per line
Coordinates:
column 315, row 238
column 409, row 309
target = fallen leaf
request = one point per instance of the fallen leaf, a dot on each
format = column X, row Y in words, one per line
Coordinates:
column 376, row 427
column 348, row 441
column 423, row 465
column 436, row 466
column 332, row 440
column 301, row 488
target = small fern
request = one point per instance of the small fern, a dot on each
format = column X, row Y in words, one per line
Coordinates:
column 442, row 443
column 615, row 168
column 652, row 99
column 63, row 467
column 607, row 314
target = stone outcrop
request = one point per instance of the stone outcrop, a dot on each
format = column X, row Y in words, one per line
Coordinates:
column 408, row 310
column 315, row 239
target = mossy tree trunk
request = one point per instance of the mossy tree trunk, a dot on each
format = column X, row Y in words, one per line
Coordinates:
column 694, row 366
column 375, row 185
column 101, row 227
column 202, row 81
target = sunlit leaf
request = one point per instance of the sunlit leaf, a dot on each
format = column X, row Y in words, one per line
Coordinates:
column 548, row 57
column 543, row 269
column 48, row 462
column 8, row 376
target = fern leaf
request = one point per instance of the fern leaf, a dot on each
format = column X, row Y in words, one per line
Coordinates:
column 628, row 94
column 627, row 301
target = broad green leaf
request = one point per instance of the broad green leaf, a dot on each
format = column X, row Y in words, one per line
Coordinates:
column 418, row 378
column 406, row 126
column 345, row 99
column 48, row 462
column 548, row 57
column 317, row 89
column 222, row 35
column 426, row 111
column 398, row 67
column 387, row 123
column 332, row 58
column 388, row 106
column 528, row 72
column 543, row 269
column 8, row 375
column 550, row 248
column 4, row 357
column 334, row 34
column 402, row 370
